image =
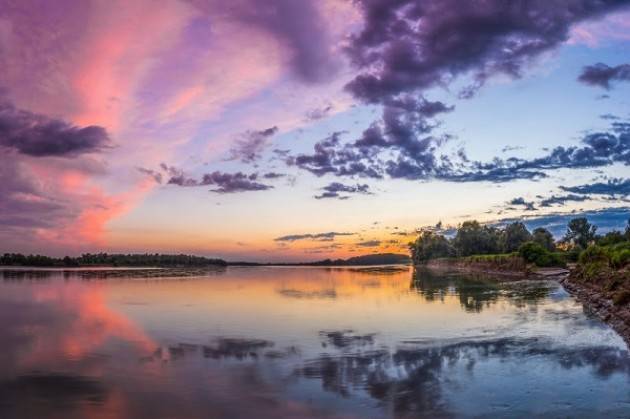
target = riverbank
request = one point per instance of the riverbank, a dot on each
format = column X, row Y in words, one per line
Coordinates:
column 605, row 295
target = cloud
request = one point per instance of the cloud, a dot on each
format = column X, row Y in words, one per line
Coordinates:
column 528, row 206
column 418, row 160
column 616, row 186
column 155, row 175
column 225, row 182
column 249, row 148
column 606, row 219
column 407, row 45
column 298, row 25
column 319, row 113
column 601, row 75
column 369, row 243
column 273, row 175
column 563, row 199
column 23, row 204
column 404, row 131
column 40, row 136
column 329, row 236
column 333, row 189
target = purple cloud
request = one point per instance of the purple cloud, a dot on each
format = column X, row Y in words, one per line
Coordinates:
column 298, row 25
column 601, row 75
column 225, row 182
column 333, row 189
column 249, row 148
column 40, row 136
column 407, row 45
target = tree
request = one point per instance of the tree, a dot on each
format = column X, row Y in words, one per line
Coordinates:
column 580, row 232
column 513, row 236
column 430, row 245
column 474, row 239
column 610, row 238
column 543, row 237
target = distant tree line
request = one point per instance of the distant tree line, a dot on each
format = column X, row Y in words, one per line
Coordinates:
column 106, row 259
column 538, row 246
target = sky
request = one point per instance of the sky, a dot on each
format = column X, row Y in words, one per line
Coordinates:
column 295, row 130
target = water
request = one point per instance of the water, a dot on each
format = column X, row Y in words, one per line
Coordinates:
column 301, row 343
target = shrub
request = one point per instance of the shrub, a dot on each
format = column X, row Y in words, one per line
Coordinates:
column 532, row 251
column 574, row 253
column 535, row 253
column 620, row 258
column 593, row 254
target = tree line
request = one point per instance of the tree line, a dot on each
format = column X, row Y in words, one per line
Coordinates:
column 538, row 246
column 106, row 259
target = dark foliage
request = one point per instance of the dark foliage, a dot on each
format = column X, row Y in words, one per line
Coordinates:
column 105, row 259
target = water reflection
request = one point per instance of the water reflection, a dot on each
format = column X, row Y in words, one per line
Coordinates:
column 411, row 379
column 476, row 292
column 389, row 344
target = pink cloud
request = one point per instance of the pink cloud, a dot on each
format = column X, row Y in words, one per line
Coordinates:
column 615, row 27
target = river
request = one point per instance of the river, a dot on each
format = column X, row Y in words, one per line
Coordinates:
column 299, row 342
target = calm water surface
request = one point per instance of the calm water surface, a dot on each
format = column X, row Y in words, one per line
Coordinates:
column 302, row 343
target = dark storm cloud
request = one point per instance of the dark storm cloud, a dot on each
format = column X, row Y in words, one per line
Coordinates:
column 527, row 206
column 407, row 45
column 601, row 75
column 251, row 145
column 562, row 199
column 40, row 136
column 612, row 187
column 334, row 189
column 329, row 236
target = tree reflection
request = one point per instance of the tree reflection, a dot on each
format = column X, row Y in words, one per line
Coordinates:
column 476, row 292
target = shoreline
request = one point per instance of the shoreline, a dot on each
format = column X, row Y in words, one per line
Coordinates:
column 598, row 303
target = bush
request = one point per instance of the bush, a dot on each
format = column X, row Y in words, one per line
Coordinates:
column 620, row 259
column 593, row 254
column 574, row 253
column 531, row 251
column 535, row 253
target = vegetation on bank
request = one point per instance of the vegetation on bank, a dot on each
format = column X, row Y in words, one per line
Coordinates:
column 374, row 259
column 514, row 245
column 365, row 260
column 605, row 265
column 105, row 259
